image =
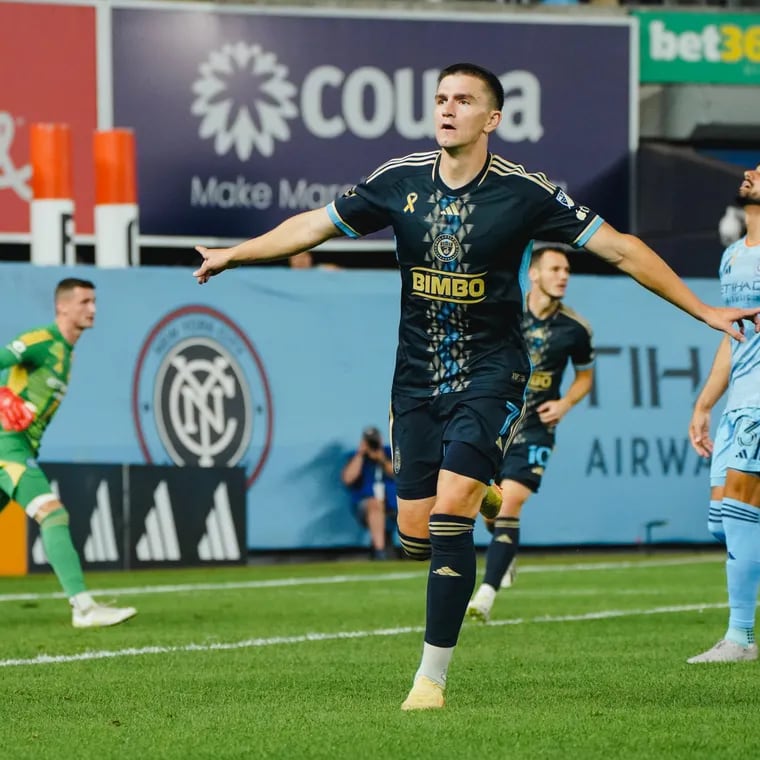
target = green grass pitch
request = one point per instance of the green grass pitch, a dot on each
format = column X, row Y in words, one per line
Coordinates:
column 585, row 658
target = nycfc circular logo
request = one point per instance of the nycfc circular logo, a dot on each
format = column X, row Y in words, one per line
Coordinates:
column 446, row 248
column 200, row 396
column 201, row 404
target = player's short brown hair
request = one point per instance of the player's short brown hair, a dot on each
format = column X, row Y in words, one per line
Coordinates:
column 489, row 79
column 68, row 284
column 538, row 253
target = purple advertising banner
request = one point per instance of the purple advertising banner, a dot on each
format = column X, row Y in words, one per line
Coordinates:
column 244, row 118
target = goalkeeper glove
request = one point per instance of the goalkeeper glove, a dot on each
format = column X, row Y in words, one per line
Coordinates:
column 15, row 415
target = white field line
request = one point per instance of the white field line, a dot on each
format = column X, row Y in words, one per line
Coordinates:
column 553, row 593
column 358, row 578
column 106, row 654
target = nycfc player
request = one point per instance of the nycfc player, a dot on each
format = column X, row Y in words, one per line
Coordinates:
column 555, row 335
column 734, row 516
column 35, row 368
column 463, row 220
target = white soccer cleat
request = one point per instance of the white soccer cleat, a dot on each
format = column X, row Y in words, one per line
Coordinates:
column 100, row 616
column 478, row 612
column 726, row 651
column 480, row 607
column 510, row 576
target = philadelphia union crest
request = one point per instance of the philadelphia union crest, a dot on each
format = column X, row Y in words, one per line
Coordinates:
column 446, row 248
column 200, row 396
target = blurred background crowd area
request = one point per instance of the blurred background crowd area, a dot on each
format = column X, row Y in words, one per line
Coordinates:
column 243, row 114
column 693, row 121
column 730, row 4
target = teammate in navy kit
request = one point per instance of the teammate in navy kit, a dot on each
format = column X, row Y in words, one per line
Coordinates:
column 555, row 335
column 463, row 220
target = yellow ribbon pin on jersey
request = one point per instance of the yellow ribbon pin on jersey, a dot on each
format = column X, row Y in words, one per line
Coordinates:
column 411, row 199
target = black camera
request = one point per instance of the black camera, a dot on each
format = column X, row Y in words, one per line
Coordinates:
column 372, row 438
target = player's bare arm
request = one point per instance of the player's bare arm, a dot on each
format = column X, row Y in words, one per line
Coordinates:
column 634, row 257
column 551, row 412
column 712, row 391
column 296, row 234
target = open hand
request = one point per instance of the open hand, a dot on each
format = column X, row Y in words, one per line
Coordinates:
column 724, row 318
column 215, row 260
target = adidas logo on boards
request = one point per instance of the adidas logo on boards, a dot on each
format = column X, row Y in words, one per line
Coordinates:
column 159, row 542
column 219, row 541
column 100, row 545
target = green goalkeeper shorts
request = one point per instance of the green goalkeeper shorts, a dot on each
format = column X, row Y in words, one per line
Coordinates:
column 21, row 478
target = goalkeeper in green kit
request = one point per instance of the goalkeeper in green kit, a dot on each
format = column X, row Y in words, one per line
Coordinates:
column 34, row 375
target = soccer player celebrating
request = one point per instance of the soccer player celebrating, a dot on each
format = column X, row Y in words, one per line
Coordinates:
column 463, row 220
column 554, row 334
column 734, row 515
column 36, row 367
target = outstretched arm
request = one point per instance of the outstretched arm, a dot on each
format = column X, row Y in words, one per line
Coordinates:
column 296, row 234
column 7, row 358
column 634, row 257
column 714, row 387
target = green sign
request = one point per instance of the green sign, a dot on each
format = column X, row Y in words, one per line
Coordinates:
column 700, row 48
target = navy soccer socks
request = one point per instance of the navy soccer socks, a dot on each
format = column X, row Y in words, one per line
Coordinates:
column 502, row 549
column 451, row 579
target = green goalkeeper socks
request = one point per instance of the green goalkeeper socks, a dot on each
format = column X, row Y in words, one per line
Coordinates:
column 60, row 551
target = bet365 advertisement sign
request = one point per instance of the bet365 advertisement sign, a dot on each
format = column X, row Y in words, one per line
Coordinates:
column 702, row 48
column 243, row 118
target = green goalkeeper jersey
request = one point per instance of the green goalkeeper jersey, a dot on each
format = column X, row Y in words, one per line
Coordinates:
column 36, row 366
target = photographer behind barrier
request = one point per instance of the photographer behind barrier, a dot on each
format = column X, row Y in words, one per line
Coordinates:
column 368, row 474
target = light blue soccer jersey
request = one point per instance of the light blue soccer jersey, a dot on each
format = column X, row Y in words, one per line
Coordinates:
column 740, row 287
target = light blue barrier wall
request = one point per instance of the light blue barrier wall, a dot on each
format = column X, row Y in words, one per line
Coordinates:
column 322, row 343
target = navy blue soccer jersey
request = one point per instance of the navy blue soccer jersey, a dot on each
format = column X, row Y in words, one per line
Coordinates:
column 461, row 254
column 562, row 337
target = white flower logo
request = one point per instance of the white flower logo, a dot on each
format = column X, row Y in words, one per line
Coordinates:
column 244, row 99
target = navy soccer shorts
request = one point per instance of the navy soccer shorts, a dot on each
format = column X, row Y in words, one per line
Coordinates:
column 527, row 457
column 459, row 432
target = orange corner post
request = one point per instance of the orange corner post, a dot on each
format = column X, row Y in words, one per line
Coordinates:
column 50, row 155
column 52, row 207
column 114, row 154
column 116, row 211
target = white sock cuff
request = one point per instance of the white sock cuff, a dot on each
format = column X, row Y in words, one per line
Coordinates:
column 435, row 663
column 82, row 601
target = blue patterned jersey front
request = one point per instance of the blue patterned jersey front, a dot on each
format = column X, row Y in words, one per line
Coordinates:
column 740, row 287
